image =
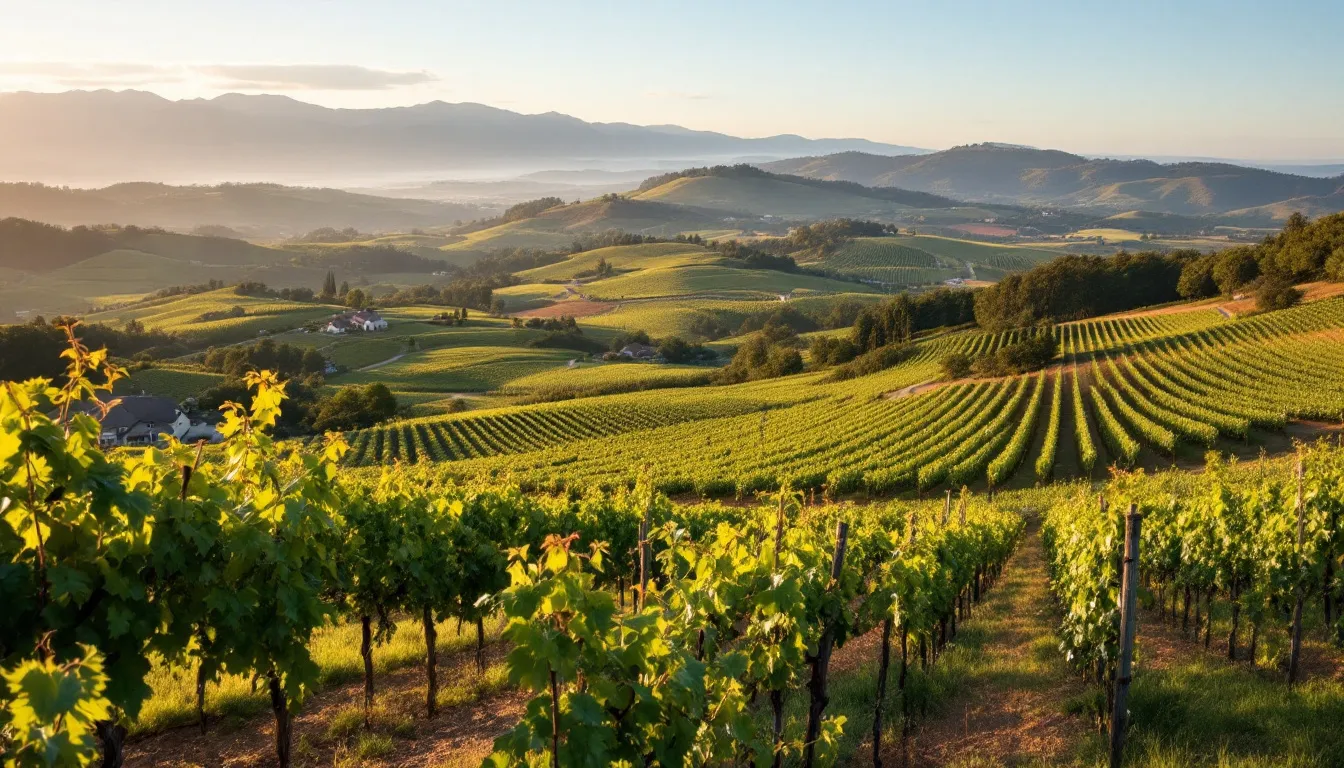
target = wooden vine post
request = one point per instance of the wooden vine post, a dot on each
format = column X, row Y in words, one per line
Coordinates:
column 1128, row 630
column 645, row 553
column 776, row 695
column 1295, row 653
column 822, row 661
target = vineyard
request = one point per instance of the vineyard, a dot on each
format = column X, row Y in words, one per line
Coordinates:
column 883, row 260
column 641, row 630
column 923, row 260
column 229, row 567
column 1141, row 391
column 1246, row 551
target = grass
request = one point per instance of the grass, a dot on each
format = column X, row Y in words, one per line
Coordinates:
column 335, row 649
column 707, row 279
column 1203, row 712
column 676, row 317
column 520, row 298
column 460, row 369
column 179, row 383
column 608, row 376
column 183, row 315
column 972, row 251
column 622, row 257
column 1111, row 234
column 760, row 196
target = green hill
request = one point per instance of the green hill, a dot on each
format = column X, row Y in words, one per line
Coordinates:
column 623, row 258
column 558, row 227
column 1025, row 176
column 699, row 280
column 198, row 316
column 924, row 259
column 769, row 196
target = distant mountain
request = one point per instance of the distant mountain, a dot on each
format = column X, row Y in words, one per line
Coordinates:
column 96, row 137
column 1025, row 176
column 259, row 210
column 744, row 189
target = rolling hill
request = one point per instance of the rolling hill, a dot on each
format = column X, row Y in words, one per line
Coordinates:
column 1024, row 176
column 257, row 210
column 559, row 226
column 84, row 137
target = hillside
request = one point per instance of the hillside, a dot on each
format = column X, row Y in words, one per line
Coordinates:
column 1025, row 176
column 772, row 196
column 556, row 228
column 106, row 136
column 45, row 269
column 257, row 210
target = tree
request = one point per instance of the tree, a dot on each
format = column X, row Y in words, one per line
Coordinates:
column 1197, row 279
column 313, row 362
column 1234, row 268
column 329, row 285
column 355, row 408
column 956, row 365
column 1276, row 292
column 344, row 289
column 356, row 299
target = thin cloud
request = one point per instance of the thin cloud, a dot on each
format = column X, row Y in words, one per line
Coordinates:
column 247, row 77
column 310, row 77
column 681, row 95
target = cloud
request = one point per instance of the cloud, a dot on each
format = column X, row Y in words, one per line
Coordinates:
column 249, row 77
column 680, row 95
column 310, row 77
column 77, row 75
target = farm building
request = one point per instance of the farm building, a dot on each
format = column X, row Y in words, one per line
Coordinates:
column 140, row 420
column 363, row 320
column 637, row 351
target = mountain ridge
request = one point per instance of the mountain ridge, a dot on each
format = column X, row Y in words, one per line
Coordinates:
column 103, row 136
column 1026, row 176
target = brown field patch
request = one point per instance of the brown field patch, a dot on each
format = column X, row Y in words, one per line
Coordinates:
column 985, row 230
column 576, row 308
column 1310, row 292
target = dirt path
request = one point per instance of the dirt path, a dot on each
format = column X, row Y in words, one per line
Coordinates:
column 388, row 361
column 1010, row 709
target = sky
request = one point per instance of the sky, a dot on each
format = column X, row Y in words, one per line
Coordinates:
column 1236, row 79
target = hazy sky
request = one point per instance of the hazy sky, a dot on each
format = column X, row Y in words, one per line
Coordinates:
column 1257, row 80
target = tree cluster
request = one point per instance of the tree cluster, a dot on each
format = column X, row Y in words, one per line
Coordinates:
column 1303, row 250
column 897, row 320
column 766, row 354
column 1075, row 287
column 471, row 292
column 37, row 247
column 1030, row 354
column 286, row 359
column 333, row 235
column 34, row 348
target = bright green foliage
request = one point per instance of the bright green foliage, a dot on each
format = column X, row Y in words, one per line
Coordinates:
column 1229, row 532
column 1087, row 452
column 1045, row 463
column 738, row 608
column 76, row 540
column 52, row 709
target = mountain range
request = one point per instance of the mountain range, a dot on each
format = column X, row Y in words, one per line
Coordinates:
column 100, row 137
column 997, row 173
column 254, row 210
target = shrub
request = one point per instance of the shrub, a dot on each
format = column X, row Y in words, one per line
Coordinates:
column 1276, row 292
column 956, row 365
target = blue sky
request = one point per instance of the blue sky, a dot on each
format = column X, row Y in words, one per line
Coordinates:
column 1255, row 80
